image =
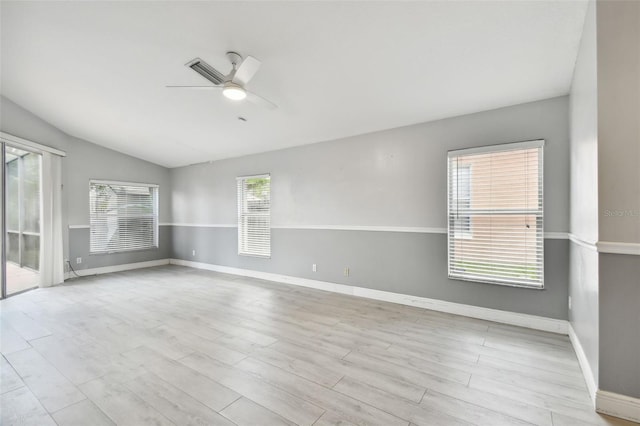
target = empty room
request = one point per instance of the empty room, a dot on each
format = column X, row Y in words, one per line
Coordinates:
column 263, row 213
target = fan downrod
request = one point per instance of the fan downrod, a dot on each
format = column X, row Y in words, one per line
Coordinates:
column 235, row 58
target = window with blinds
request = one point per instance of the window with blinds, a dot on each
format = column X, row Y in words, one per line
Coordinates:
column 254, row 215
column 122, row 216
column 496, row 214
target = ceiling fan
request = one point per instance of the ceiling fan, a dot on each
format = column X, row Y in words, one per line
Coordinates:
column 232, row 84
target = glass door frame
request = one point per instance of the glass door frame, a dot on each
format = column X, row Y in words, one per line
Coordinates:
column 25, row 227
column 7, row 139
column 3, row 204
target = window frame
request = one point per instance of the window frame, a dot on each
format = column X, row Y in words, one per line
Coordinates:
column 155, row 215
column 497, row 148
column 242, row 214
column 465, row 234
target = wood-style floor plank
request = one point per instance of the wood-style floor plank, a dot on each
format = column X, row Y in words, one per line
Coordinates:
column 417, row 414
column 285, row 404
column 175, row 345
column 21, row 408
column 121, row 405
column 81, row 414
column 52, row 389
column 245, row 412
column 174, row 404
column 209, row 392
column 9, row 379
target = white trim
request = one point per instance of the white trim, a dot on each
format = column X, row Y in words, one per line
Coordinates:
column 365, row 228
column 116, row 268
column 87, row 226
column 615, row 404
column 15, row 140
column 263, row 175
column 589, row 378
column 556, row 235
column 618, row 248
column 506, row 317
column 410, row 229
column 538, row 143
column 607, row 246
column 205, row 225
column 122, row 183
column 583, row 243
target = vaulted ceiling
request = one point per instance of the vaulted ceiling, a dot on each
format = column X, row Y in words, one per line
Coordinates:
column 98, row 70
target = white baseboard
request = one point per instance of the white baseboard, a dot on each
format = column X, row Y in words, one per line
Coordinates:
column 116, row 268
column 617, row 405
column 505, row 317
column 589, row 378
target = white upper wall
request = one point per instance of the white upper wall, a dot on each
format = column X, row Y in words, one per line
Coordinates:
column 395, row 177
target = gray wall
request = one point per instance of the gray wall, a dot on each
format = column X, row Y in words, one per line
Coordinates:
column 400, row 262
column 85, row 161
column 619, row 119
column 620, row 324
column 79, row 246
column 393, row 178
column 583, row 273
column 618, row 29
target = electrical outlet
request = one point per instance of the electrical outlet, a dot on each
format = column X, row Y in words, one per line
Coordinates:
column 346, row 272
column 569, row 302
column 78, row 260
column 313, row 268
column 193, row 253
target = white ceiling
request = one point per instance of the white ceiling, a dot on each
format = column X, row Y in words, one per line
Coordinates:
column 98, row 70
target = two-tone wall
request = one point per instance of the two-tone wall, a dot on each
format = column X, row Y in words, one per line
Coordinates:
column 605, row 206
column 376, row 204
column 618, row 29
column 85, row 161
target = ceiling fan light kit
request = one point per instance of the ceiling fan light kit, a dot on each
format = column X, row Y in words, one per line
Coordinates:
column 232, row 84
column 234, row 92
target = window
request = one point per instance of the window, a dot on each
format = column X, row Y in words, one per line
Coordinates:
column 122, row 216
column 495, row 214
column 254, row 215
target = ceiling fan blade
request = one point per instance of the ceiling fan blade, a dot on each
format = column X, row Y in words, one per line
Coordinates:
column 246, row 70
column 193, row 87
column 259, row 100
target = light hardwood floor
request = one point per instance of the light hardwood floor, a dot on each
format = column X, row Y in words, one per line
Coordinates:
column 175, row 345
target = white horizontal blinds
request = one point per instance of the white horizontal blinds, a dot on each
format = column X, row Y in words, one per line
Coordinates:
column 122, row 216
column 254, row 215
column 495, row 214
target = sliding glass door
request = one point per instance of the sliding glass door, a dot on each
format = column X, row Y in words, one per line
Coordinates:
column 21, row 219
